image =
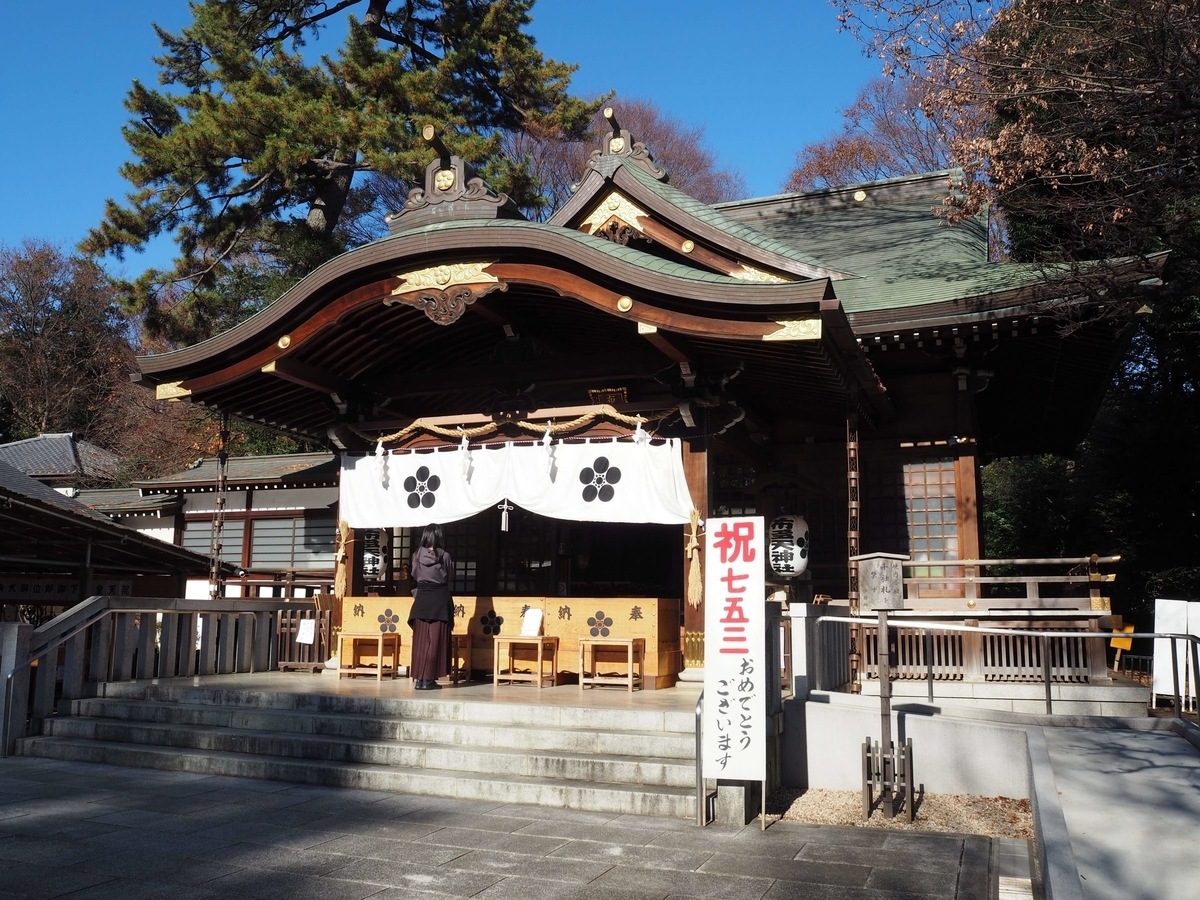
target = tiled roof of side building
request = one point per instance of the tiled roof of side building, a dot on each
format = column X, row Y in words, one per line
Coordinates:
column 60, row 455
column 17, row 484
column 299, row 468
column 127, row 501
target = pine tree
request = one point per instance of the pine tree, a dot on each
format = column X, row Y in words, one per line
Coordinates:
column 252, row 155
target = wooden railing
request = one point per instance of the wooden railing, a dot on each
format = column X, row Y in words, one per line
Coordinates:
column 106, row 639
column 986, row 656
column 1061, row 583
column 1063, row 655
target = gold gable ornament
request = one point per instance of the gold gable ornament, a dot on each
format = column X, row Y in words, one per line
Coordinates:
column 444, row 292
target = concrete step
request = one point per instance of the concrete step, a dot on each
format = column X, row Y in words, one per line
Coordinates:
column 605, row 769
column 423, row 708
column 638, row 799
column 438, row 730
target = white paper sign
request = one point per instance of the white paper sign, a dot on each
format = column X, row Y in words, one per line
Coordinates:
column 307, row 632
column 1170, row 617
column 734, row 718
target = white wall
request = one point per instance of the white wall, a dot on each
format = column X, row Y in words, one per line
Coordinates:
column 823, row 738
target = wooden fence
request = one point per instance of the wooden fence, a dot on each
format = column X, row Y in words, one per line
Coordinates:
column 105, row 639
column 958, row 655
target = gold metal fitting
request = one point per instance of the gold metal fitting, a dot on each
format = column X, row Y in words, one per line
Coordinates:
column 625, row 304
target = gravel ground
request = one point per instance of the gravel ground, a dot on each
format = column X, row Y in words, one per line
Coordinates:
column 956, row 813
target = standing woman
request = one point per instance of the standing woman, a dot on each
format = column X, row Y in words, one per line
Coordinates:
column 432, row 615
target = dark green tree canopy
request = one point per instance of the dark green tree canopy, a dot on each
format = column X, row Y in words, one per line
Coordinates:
column 250, row 154
column 63, row 351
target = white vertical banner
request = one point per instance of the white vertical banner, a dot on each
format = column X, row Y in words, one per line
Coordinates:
column 1170, row 617
column 735, row 661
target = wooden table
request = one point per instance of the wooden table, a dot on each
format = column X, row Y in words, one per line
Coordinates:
column 363, row 642
column 460, row 649
column 635, row 650
column 542, row 644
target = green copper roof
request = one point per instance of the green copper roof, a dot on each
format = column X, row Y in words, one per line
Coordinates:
column 717, row 219
column 629, row 255
column 905, row 254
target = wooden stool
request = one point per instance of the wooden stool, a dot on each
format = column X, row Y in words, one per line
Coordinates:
column 460, row 648
column 635, row 651
column 363, row 643
column 541, row 644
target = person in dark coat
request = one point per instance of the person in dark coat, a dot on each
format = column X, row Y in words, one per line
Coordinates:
column 432, row 615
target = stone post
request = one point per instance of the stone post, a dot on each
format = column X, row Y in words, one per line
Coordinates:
column 15, row 640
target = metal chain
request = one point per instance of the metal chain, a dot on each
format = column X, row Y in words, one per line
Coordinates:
column 216, row 576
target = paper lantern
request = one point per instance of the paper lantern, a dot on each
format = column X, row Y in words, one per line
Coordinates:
column 789, row 545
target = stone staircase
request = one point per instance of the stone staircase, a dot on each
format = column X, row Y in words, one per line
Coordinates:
column 603, row 759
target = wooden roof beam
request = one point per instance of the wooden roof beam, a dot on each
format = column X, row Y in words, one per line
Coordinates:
column 305, row 375
column 555, row 370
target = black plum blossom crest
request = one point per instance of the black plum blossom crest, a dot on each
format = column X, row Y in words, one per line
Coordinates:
column 491, row 622
column 600, row 623
column 421, row 487
column 388, row 621
column 598, row 480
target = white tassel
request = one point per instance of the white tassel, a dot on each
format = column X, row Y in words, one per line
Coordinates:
column 504, row 509
column 464, row 447
column 381, row 466
column 548, row 448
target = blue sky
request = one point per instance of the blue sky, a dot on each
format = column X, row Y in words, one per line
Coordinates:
column 763, row 78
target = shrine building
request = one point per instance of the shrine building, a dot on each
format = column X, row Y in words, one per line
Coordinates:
column 562, row 395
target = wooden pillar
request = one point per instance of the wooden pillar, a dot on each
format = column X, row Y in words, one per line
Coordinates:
column 356, row 585
column 853, row 526
column 966, row 481
column 695, row 469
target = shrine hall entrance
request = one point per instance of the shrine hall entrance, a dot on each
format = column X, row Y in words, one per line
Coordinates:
column 547, row 557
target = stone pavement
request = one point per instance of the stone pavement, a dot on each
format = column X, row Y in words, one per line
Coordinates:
column 1131, row 800
column 90, row 831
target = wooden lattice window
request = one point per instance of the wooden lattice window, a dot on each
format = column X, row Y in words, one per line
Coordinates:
column 731, row 488
column 912, row 507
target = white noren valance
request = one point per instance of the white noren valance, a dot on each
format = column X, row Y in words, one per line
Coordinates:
column 598, row 481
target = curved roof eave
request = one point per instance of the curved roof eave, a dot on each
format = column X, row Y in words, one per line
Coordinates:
column 643, row 273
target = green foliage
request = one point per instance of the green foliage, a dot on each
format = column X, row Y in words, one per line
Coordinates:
column 63, row 351
column 250, row 156
column 1134, row 489
column 1029, row 508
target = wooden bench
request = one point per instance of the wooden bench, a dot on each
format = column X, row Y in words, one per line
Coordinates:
column 635, row 651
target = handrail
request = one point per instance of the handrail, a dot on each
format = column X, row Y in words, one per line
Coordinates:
column 1044, row 635
column 135, row 606
column 701, row 800
column 8, row 681
column 169, row 605
column 1048, row 561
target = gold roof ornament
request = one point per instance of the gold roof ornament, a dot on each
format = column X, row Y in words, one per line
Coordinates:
column 444, row 292
column 758, row 276
column 615, row 206
column 796, row 330
column 170, row 390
